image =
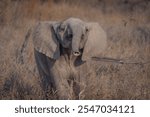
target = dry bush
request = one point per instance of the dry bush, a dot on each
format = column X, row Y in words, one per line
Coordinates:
column 128, row 30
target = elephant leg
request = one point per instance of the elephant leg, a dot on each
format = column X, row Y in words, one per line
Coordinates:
column 61, row 73
column 47, row 82
column 62, row 87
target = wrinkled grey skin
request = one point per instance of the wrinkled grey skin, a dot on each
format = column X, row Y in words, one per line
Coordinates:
column 61, row 48
column 78, row 30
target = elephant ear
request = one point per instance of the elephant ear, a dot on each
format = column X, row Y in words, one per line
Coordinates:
column 96, row 41
column 45, row 39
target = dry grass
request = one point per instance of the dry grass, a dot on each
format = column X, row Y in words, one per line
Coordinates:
column 128, row 30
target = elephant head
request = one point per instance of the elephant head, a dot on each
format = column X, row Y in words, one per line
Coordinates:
column 82, row 38
column 48, row 36
column 88, row 38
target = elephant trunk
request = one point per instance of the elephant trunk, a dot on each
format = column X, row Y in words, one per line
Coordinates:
column 76, row 43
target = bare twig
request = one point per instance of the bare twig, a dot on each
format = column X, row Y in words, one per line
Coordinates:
column 120, row 61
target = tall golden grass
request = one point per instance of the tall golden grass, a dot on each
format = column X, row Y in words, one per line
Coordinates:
column 128, row 33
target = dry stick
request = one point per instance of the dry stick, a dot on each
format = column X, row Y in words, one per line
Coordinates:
column 120, row 61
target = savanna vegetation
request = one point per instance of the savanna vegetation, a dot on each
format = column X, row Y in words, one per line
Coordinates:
column 126, row 22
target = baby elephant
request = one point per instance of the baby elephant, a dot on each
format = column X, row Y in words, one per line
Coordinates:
column 61, row 50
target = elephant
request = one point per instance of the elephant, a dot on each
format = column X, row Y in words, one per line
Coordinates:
column 61, row 49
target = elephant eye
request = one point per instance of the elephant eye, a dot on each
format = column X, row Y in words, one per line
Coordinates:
column 69, row 36
column 82, row 36
column 86, row 29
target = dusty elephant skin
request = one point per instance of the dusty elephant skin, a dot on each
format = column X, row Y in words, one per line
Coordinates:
column 61, row 48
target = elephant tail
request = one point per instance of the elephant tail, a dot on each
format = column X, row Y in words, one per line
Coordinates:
column 23, row 48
